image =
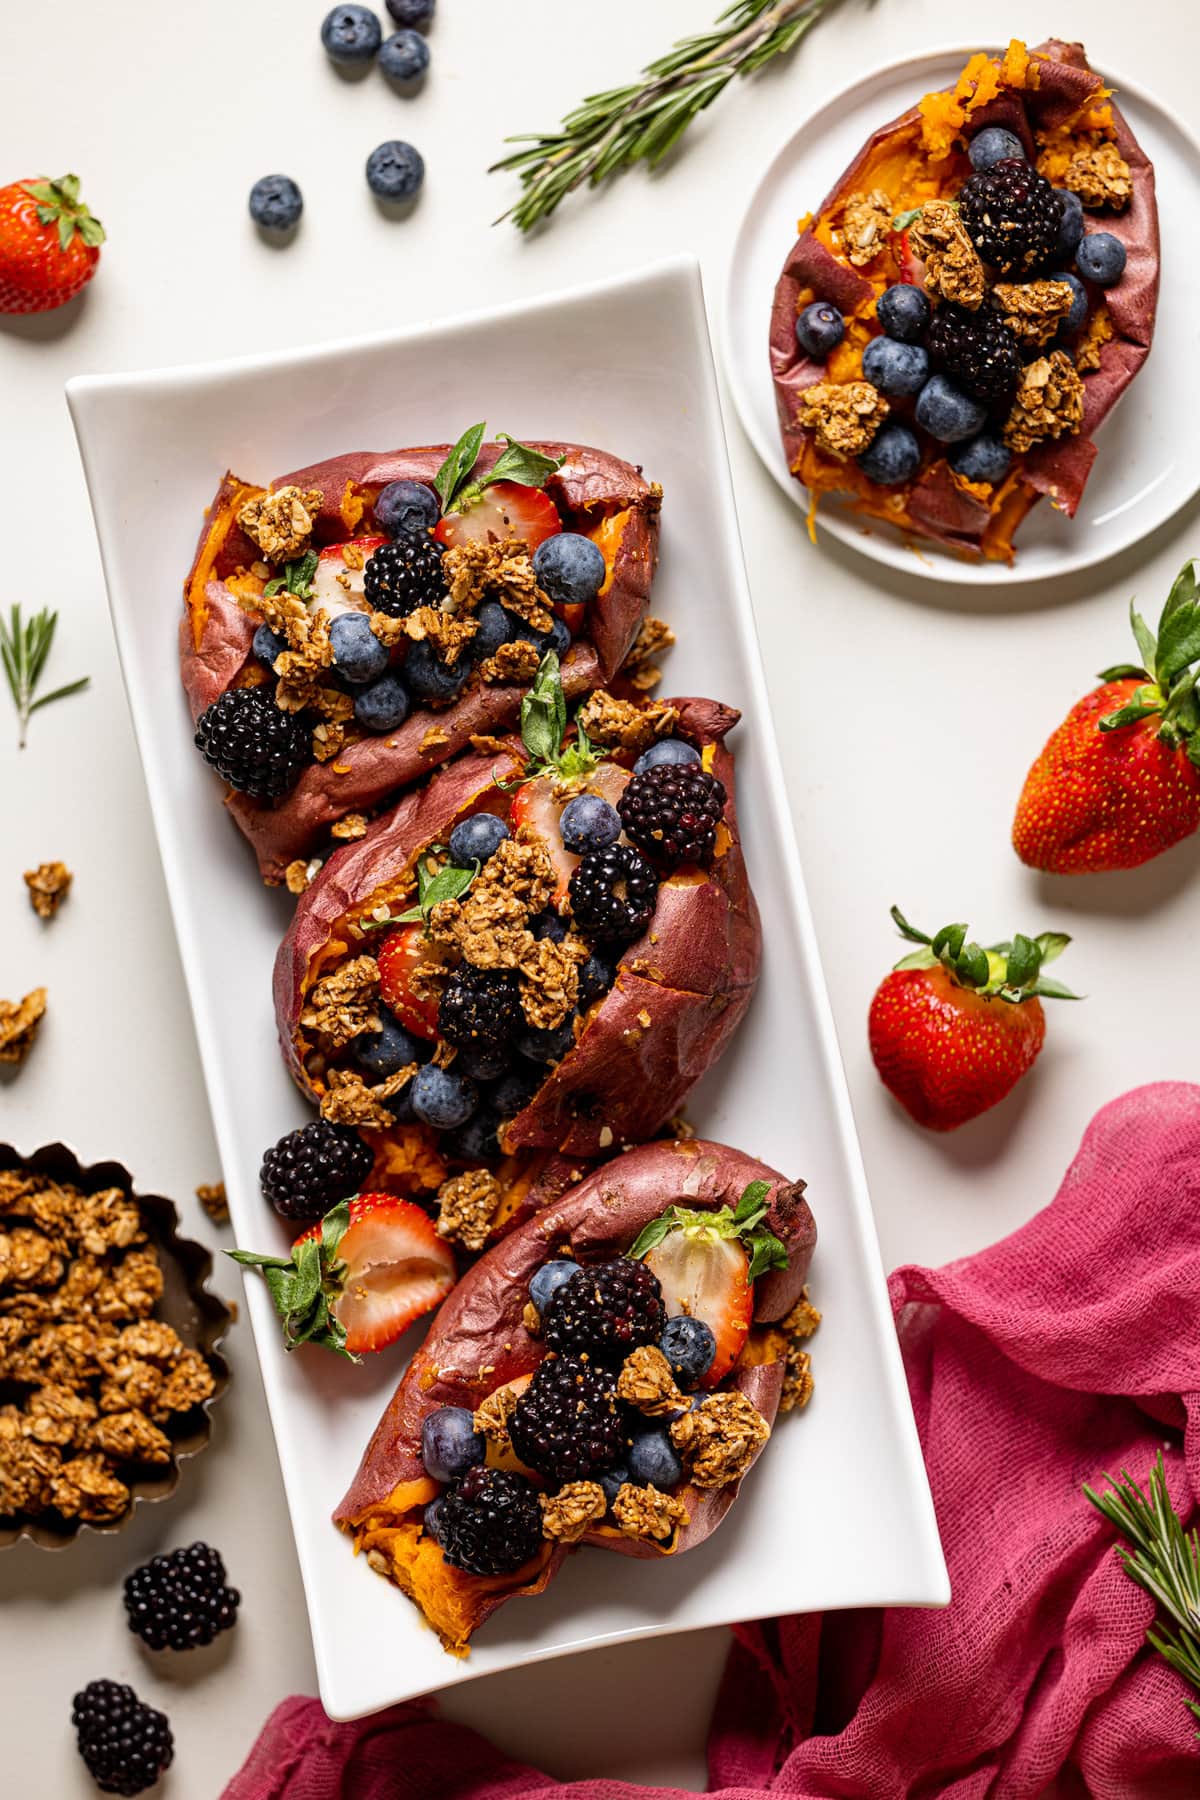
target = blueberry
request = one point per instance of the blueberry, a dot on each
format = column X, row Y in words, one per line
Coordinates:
column 546, row 1045
column 595, row 978
column 667, row 750
column 1079, row 304
column 820, row 328
column 689, row 1346
column 441, row 1098
column 982, row 458
column 431, row 678
column 450, row 1444
column 1101, row 258
column 276, row 203
column 406, row 506
column 654, row 1461
column 475, row 1140
column 482, row 1064
column 904, row 312
column 512, row 1093
column 589, row 823
column 895, row 368
column 404, row 57
column 431, row 1515
column 570, row 568
column 473, row 840
column 384, row 1051
column 549, row 925
column 558, row 638
column 268, row 645
column 1070, row 225
column 992, row 145
column 495, row 628
column 357, row 652
column 384, row 705
column 613, row 1480
column 946, row 412
column 547, row 1280
column 416, row 14
column 892, row 456
column 351, row 34
column 401, row 1105
column 395, row 170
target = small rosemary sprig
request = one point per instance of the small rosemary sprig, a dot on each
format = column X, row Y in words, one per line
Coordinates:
column 640, row 122
column 24, row 648
column 1165, row 1560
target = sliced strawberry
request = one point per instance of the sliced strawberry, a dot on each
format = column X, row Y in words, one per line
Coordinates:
column 537, row 805
column 912, row 269
column 709, row 1278
column 337, row 587
column 401, row 954
column 506, row 509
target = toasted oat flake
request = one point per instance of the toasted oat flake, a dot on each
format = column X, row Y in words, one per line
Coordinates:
column 467, row 1205
column 1048, row 403
column 720, row 1438
column 48, row 886
column 19, row 1021
column 843, row 416
column 646, row 1382
column 625, row 725
column 281, row 523
column 1101, row 177
column 1032, row 310
column 952, row 266
column 569, row 1514
column 866, row 222
column 644, row 1512
column 492, row 1418
column 353, row 826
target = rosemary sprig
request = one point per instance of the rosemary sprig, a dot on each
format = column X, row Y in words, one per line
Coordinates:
column 24, row 648
column 640, row 122
column 1165, row 1560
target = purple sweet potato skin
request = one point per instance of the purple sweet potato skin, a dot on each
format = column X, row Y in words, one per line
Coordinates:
column 590, row 484
column 480, row 1324
column 1058, row 470
column 692, row 974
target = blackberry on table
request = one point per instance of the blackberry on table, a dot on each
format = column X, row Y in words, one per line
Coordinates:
column 253, row 744
column 480, row 1008
column 607, row 1310
column 314, row 1167
column 567, row 1425
column 977, row 349
column 405, row 574
column 179, row 1600
column 613, row 893
column 1012, row 215
column 489, row 1522
column 125, row 1744
column 671, row 812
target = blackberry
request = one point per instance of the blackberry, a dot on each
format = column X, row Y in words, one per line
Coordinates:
column 480, row 1008
column 977, row 349
column 405, row 574
column 490, row 1522
column 252, row 744
column 567, row 1425
column 671, row 812
column 613, row 893
column 607, row 1310
column 179, row 1600
column 125, row 1744
column 314, row 1167
column 1012, row 216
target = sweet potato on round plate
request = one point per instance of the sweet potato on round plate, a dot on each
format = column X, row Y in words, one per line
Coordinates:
column 702, row 1199
column 1038, row 335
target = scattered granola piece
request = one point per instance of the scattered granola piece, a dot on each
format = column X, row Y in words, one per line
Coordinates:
column 484, row 742
column 513, row 663
column 644, row 1512
column 1048, row 403
column 1033, row 310
column 48, row 886
column 681, row 1129
column 503, row 571
column 798, row 1327
column 349, row 1101
column 640, row 666
column 19, row 1021
column 281, row 523
column 300, row 875
column 212, row 1198
column 390, row 631
column 467, row 1204
column 720, row 1438
column 531, row 1319
column 866, row 222
column 492, row 1416
column 343, row 1005
column 567, row 1515
column 952, row 265
column 448, row 635
column 1100, row 176
column 1098, row 333
column 646, row 1383
column 843, row 415
column 353, row 826
column 622, row 724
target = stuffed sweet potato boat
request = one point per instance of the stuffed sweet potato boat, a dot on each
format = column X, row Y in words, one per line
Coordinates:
column 352, row 626
column 957, row 320
column 531, row 959
column 606, row 1375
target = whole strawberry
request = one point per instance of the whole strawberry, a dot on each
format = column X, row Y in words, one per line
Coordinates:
column 49, row 244
column 1119, row 781
column 954, row 1027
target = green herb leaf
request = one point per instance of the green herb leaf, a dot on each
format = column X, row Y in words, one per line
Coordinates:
column 458, row 464
column 297, row 577
column 903, row 220
column 24, row 651
column 450, row 883
column 743, row 1222
column 544, row 712
column 520, row 462
column 918, row 959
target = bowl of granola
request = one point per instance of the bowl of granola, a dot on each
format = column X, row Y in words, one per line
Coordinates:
column 109, row 1360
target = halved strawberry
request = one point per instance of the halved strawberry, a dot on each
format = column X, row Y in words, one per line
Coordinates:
column 538, row 806
column 401, row 954
column 357, row 1280
column 506, row 509
column 337, row 586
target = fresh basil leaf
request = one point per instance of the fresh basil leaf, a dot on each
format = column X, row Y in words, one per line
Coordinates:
column 1052, row 944
column 1024, row 961
column 1178, row 642
column 1124, row 672
column 902, row 220
column 1185, row 590
column 458, row 465
column 450, row 883
column 652, row 1234
column 1049, row 989
column 520, row 462
column 544, row 712
column 766, row 1252
column 905, row 929
column 1145, row 637
column 753, row 1200
column 297, row 577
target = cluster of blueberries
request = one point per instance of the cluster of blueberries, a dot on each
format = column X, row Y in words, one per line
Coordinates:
column 353, row 37
column 898, row 363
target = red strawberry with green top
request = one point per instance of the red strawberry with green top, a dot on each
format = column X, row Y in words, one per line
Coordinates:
column 954, row 1027
column 358, row 1279
column 506, row 502
column 1119, row 781
column 49, row 244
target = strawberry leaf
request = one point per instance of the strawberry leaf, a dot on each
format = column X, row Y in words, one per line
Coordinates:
column 743, row 1222
column 917, row 959
column 766, row 1252
column 458, row 465
column 1024, row 961
column 948, row 942
column 1185, row 591
column 971, row 966
column 1047, row 988
column 1143, row 704
column 304, row 1285
column 753, row 1204
column 905, row 929
column 1178, row 642
column 653, row 1234
column 1052, row 944
column 1145, row 637
column 1124, row 672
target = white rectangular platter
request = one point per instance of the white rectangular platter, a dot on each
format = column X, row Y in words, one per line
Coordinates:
column 837, row 1513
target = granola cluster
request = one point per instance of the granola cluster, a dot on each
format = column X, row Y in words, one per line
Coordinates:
column 342, row 1005
column 349, row 1101
column 644, row 1512
column 623, row 724
column 48, row 886
column 797, row 1328
column 19, row 1021
column 952, row 266
column 1100, row 176
column 646, row 1383
column 720, row 1438
column 640, row 667
column 478, row 571
column 492, row 1417
column 281, row 523
column 93, row 1378
column 467, row 1205
column 516, row 661
column 843, row 416
column 1033, row 310
column 569, row 1514
column 866, row 222
column 1048, row 402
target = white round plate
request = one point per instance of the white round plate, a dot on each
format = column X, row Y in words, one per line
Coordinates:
column 1145, row 469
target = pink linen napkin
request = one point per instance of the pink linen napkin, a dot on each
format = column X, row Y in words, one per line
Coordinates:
column 1069, row 1349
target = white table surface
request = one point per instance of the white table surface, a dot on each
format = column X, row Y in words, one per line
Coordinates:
column 907, row 713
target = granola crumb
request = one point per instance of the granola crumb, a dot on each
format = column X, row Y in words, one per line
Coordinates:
column 281, row 523
column 212, row 1198
column 48, row 886
column 623, row 724
column 467, row 1205
column 866, row 222
column 568, row 1515
column 349, row 1101
column 19, row 1021
column 489, row 745
column 513, row 663
column 492, row 1418
column 435, row 738
column 720, row 1439
column 640, row 667
column 1048, row 403
column 681, row 1128
column 798, row 1327
column 1101, row 177
column 646, row 1382
column 952, row 266
column 644, row 1512
column 1032, row 310
column 1099, row 332
column 503, row 570
column 531, row 1319
column 299, row 875
column 353, row 826
column 843, row 416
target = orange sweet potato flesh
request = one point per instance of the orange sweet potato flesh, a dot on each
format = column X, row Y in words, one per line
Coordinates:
column 596, row 494
column 1060, row 90
column 478, row 1342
